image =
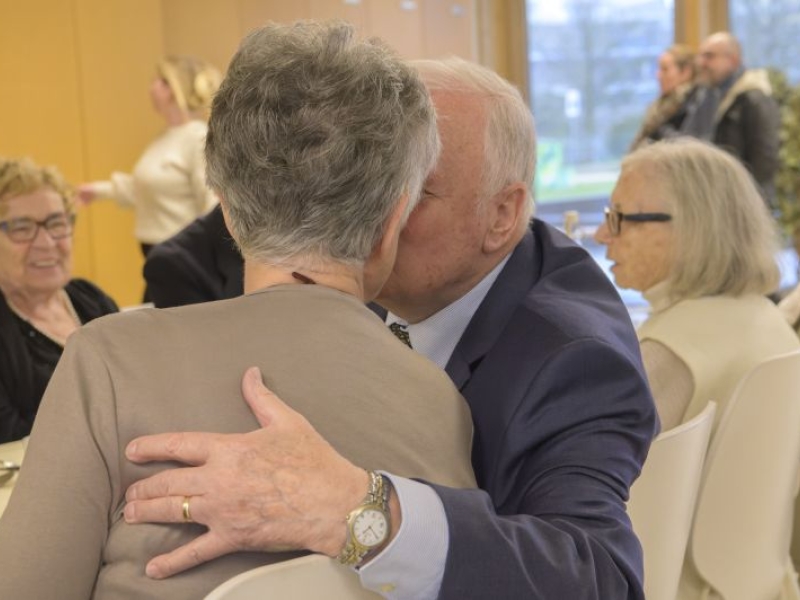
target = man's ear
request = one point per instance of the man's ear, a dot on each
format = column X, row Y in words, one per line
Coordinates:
column 505, row 211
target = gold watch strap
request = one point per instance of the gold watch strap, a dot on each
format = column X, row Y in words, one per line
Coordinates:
column 377, row 497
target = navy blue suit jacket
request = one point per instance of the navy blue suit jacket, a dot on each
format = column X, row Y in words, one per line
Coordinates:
column 563, row 417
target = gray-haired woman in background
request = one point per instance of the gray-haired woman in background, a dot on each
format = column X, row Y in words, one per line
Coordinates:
column 687, row 227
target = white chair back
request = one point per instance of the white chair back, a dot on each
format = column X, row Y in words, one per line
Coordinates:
column 739, row 546
column 305, row 578
column 662, row 501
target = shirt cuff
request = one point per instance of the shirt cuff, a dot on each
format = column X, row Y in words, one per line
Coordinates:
column 411, row 567
column 103, row 189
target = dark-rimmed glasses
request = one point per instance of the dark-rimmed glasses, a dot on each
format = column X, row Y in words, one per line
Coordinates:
column 614, row 218
column 24, row 230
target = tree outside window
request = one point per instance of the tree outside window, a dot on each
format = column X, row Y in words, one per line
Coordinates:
column 592, row 70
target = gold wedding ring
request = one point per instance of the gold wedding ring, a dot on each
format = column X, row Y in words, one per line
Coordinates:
column 187, row 514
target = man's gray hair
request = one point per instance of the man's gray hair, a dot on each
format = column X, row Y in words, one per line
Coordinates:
column 314, row 137
column 509, row 138
column 725, row 239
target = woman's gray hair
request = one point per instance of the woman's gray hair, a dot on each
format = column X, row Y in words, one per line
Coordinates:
column 725, row 240
column 509, row 138
column 314, row 138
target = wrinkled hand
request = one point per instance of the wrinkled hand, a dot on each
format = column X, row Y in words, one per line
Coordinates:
column 277, row 488
column 84, row 195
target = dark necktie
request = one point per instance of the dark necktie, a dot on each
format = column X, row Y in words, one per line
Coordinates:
column 401, row 333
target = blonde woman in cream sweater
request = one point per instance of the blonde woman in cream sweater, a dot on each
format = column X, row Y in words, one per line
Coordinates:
column 687, row 227
column 167, row 187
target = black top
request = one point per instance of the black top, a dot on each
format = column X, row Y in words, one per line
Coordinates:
column 200, row 263
column 28, row 358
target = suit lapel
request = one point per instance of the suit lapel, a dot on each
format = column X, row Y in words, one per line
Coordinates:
column 494, row 313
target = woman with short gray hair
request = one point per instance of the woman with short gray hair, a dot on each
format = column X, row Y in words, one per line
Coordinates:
column 318, row 146
column 687, row 226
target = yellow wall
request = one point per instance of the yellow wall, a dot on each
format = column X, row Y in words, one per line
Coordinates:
column 76, row 74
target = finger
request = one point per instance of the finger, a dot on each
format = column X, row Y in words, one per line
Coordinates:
column 262, row 401
column 168, row 509
column 170, row 482
column 189, row 448
column 200, row 550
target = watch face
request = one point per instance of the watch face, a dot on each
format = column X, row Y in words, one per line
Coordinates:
column 369, row 528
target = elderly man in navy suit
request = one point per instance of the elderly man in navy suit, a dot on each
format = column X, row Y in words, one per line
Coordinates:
column 539, row 344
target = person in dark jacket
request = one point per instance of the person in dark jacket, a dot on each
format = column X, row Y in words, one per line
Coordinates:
column 40, row 305
column 737, row 112
column 198, row 264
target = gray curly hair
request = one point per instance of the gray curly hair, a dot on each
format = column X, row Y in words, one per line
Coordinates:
column 314, row 138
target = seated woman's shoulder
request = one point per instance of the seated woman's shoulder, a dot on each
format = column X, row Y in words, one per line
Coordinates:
column 89, row 299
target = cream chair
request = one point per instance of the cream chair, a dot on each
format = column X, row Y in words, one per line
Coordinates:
column 662, row 501
column 739, row 546
column 305, row 578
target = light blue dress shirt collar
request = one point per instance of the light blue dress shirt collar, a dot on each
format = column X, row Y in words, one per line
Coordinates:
column 436, row 337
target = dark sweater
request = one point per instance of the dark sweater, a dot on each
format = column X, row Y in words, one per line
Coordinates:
column 28, row 358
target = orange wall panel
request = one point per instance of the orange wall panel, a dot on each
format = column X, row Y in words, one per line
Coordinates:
column 352, row 11
column 208, row 29
column 399, row 23
column 119, row 44
column 40, row 104
column 450, row 29
column 255, row 13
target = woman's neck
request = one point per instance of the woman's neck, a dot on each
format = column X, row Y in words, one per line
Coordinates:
column 52, row 314
column 34, row 305
column 337, row 276
column 174, row 116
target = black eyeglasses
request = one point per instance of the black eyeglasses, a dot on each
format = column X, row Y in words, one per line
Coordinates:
column 23, row 230
column 614, row 218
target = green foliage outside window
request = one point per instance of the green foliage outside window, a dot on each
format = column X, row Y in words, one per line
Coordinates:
column 787, row 180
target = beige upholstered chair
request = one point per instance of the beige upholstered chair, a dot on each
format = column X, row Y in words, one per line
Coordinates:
column 739, row 545
column 305, row 578
column 663, row 499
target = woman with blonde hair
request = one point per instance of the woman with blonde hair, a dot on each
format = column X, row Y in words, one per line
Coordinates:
column 167, row 186
column 40, row 304
column 676, row 74
column 687, row 226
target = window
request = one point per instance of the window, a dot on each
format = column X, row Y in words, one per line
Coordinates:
column 768, row 30
column 592, row 67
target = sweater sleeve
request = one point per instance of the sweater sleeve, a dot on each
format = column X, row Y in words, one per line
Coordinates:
column 670, row 381
column 118, row 188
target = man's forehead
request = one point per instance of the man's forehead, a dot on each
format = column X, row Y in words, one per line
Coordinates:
column 457, row 109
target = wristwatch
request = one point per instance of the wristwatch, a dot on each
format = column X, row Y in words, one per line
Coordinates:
column 368, row 526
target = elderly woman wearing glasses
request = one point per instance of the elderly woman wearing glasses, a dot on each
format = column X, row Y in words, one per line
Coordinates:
column 688, row 227
column 40, row 306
